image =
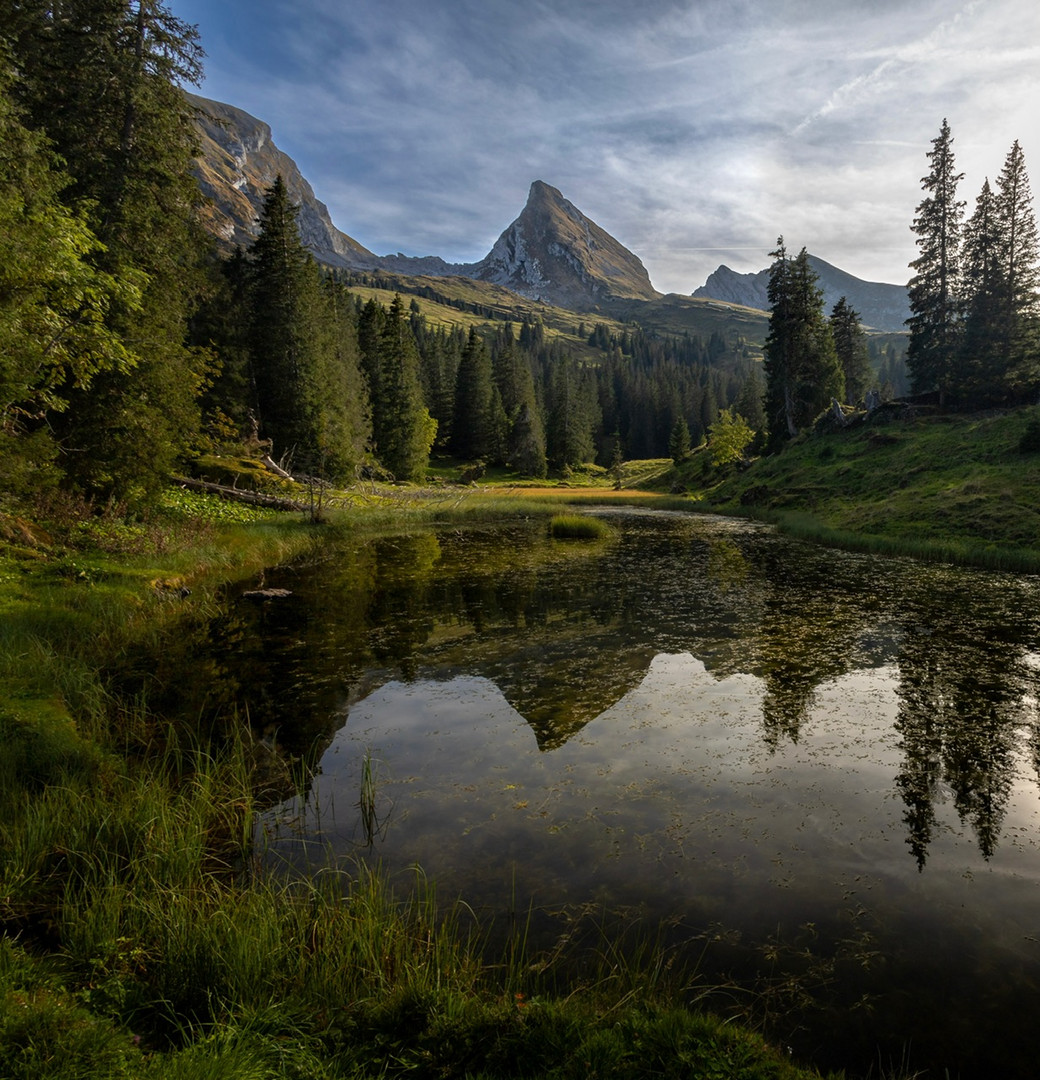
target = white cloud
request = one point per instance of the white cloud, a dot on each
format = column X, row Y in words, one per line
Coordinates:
column 693, row 130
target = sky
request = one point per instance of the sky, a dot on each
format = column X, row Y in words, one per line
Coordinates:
column 693, row 131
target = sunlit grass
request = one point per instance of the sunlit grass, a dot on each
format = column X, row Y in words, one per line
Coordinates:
column 578, row 527
column 950, row 488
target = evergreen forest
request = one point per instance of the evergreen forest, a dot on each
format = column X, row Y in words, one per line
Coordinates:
column 132, row 344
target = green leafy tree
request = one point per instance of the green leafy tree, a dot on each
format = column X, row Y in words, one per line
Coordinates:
column 101, row 79
column 850, row 344
column 934, row 321
column 729, row 437
column 53, row 303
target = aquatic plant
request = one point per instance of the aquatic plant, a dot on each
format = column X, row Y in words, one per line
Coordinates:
column 578, row 527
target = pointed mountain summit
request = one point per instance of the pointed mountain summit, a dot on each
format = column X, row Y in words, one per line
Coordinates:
column 553, row 252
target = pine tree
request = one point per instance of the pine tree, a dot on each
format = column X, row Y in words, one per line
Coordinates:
column 802, row 370
column 303, row 355
column 749, row 403
column 221, row 324
column 850, row 344
column 573, row 419
column 473, row 431
column 983, row 352
column 679, row 441
column 934, row 300
column 1020, row 261
column 402, row 429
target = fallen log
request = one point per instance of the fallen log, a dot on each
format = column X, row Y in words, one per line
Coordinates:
column 252, row 498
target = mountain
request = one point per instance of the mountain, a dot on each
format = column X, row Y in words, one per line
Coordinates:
column 553, row 252
column 238, row 163
column 880, row 306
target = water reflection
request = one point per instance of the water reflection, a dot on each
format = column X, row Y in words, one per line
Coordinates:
column 565, row 632
column 699, row 717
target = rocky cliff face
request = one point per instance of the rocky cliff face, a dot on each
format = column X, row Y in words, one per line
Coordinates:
column 880, row 306
column 239, row 162
column 552, row 252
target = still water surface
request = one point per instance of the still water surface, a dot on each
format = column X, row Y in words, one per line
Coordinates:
column 829, row 759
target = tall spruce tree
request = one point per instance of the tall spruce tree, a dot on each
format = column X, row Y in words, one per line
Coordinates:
column 304, row 359
column 983, row 351
column 473, row 434
column 1019, row 254
column 802, row 369
column 402, row 429
column 934, row 322
column 850, row 344
column 525, row 431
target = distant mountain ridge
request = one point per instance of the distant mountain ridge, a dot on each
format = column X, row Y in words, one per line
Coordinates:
column 552, row 252
column 880, row 306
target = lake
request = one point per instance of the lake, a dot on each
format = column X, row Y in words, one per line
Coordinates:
column 816, row 771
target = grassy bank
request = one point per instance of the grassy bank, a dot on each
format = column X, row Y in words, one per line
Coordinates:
column 951, row 488
column 142, row 935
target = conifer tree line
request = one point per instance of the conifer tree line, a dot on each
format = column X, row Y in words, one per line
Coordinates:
column 811, row 359
column 974, row 330
column 336, row 383
column 127, row 344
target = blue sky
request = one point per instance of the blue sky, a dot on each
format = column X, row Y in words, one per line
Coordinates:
column 694, row 131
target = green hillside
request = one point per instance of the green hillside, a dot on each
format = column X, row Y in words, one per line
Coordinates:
column 456, row 301
column 961, row 487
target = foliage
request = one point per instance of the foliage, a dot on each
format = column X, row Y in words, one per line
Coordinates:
column 934, row 323
column 802, row 369
column 850, row 344
column 728, row 438
column 679, row 440
column 303, row 351
column 403, row 431
column 53, row 302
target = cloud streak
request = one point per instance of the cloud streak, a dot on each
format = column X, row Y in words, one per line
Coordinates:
column 694, row 131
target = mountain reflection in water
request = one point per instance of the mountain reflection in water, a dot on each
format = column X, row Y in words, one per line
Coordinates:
column 696, row 719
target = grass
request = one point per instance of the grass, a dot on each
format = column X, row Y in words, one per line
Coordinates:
column 142, row 932
column 949, row 488
column 578, row 527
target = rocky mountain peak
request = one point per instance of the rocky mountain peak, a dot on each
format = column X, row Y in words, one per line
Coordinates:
column 553, row 252
column 238, row 163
